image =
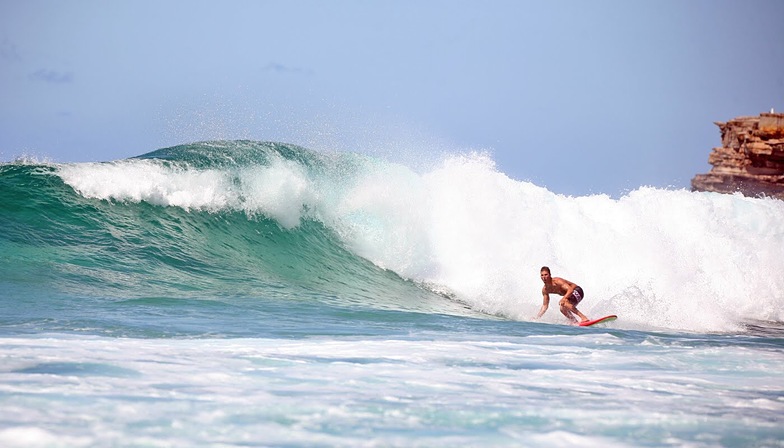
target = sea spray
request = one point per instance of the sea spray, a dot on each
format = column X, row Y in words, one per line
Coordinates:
column 661, row 258
column 657, row 258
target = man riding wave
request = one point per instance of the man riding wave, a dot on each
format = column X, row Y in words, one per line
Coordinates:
column 572, row 295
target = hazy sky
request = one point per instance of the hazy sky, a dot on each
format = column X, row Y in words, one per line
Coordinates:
column 578, row 96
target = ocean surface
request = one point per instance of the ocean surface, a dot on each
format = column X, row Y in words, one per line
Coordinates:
column 240, row 293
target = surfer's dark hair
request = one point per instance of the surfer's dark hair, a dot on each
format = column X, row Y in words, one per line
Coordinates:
column 545, row 268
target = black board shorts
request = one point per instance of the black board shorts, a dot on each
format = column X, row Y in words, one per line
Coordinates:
column 577, row 295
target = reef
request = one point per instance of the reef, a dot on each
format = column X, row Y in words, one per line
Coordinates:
column 750, row 159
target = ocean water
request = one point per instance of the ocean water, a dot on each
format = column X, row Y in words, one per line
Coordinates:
column 241, row 293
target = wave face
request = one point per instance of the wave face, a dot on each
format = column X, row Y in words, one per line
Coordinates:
column 269, row 220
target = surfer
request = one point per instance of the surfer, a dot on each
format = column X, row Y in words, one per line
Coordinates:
column 572, row 295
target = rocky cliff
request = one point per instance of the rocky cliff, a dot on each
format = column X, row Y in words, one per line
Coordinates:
column 750, row 159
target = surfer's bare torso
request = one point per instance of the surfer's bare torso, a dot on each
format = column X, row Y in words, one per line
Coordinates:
column 558, row 286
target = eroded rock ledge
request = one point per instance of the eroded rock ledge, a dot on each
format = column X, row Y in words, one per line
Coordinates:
column 750, row 159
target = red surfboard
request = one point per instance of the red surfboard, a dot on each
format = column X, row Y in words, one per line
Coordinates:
column 588, row 323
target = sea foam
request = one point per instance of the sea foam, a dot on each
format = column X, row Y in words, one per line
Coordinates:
column 658, row 258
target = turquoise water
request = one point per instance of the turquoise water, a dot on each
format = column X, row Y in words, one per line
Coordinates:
column 247, row 293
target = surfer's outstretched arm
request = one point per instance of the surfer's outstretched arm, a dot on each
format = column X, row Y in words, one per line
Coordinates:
column 545, row 303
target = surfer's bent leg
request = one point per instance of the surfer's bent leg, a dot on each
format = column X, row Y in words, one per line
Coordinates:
column 569, row 305
column 567, row 311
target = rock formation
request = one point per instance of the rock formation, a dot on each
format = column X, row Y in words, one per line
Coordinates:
column 750, row 160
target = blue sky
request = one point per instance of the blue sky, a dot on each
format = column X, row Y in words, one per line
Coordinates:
column 578, row 96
